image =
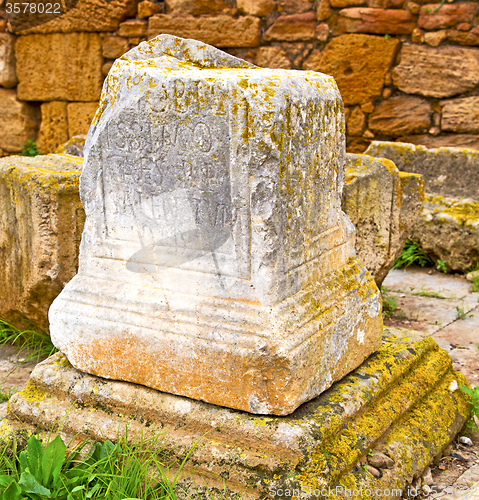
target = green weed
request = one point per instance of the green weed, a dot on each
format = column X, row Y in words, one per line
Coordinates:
column 441, row 265
column 411, row 254
column 6, row 394
column 474, row 394
column 35, row 343
column 461, row 312
column 29, row 148
column 425, row 293
column 389, row 304
column 111, row 471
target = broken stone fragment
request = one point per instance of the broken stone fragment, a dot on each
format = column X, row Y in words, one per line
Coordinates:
column 380, row 460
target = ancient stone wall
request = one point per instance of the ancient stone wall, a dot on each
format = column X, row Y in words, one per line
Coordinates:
column 407, row 70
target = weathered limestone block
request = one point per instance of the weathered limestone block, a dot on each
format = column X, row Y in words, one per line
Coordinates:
column 256, row 7
column 448, row 227
column 461, row 115
column 469, row 141
column 401, row 115
column 382, row 215
column 272, row 57
column 403, row 401
column 54, row 126
column 292, row 28
column 378, row 21
column 194, row 7
column 81, row 15
column 437, row 16
column 216, row 259
column 40, row 227
column 221, row 31
column 18, row 121
column 8, row 76
column 436, row 71
column 358, row 63
column 59, row 67
column 80, row 116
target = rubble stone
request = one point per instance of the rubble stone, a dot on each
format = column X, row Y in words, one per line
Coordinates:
column 8, row 76
column 461, row 115
column 54, row 126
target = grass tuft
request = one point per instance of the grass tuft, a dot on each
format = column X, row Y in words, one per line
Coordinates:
column 412, row 254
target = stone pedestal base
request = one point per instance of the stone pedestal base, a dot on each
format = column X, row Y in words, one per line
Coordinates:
column 403, row 401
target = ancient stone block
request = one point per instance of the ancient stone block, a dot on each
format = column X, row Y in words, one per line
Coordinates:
column 383, row 218
column 221, row 31
column 470, row 141
column 194, row 7
column 133, row 28
column 86, row 15
column 18, row 121
column 8, row 77
column 113, row 47
column 342, row 4
column 436, row 72
column 356, row 124
column 292, row 28
column 378, row 21
column 193, row 242
column 40, row 231
column 437, row 16
column 401, row 115
column 54, row 126
column 147, row 9
column 80, row 116
column 448, row 229
column 435, row 38
column 323, row 10
column 358, row 63
column 272, row 57
column 295, row 6
column 59, row 67
column 407, row 389
column 256, row 7
column 448, row 172
column 461, row 115
column 464, row 38
column 322, row 32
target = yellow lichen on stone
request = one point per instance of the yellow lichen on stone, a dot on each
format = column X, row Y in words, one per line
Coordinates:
column 32, row 394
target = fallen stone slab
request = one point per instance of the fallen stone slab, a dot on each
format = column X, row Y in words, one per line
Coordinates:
column 402, row 402
column 448, row 226
column 40, row 229
column 383, row 204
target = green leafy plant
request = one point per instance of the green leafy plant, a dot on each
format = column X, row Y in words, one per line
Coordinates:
column 474, row 395
column 461, row 312
column 6, row 394
column 441, row 265
column 389, row 304
column 411, row 254
column 426, row 293
column 35, row 343
column 387, row 37
column 29, row 148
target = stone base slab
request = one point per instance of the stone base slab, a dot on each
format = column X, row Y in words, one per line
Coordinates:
column 403, row 401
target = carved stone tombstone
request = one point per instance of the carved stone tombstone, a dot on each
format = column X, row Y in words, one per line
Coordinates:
column 216, row 262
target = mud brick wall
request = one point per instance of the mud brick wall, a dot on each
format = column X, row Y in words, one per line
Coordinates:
column 407, row 70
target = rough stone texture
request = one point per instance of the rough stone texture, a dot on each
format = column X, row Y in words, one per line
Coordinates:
column 437, row 16
column 54, row 126
column 436, row 71
column 448, row 229
column 358, row 63
column 383, row 217
column 59, row 67
column 449, row 172
column 147, row 9
column 272, row 57
column 18, row 121
column 194, row 7
column 221, row 31
column 464, row 38
column 8, row 77
column 39, row 233
column 80, row 116
column 86, row 15
column 435, row 38
column 113, row 47
column 293, row 28
column 256, row 7
column 356, row 122
column 407, row 389
column 133, row 28
column 295, row 6
column 401, row 115
column 208, row 228
column 73, row 146
column 461, row 115
column 342, row 4
column 378, row 21
column 457, row 140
